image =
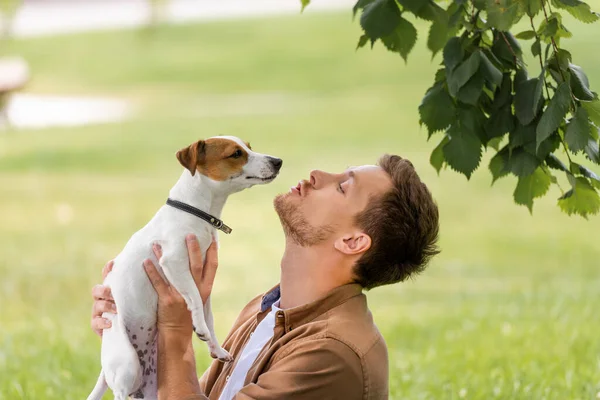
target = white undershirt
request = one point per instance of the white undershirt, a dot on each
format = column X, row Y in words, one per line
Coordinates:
column 261, row 335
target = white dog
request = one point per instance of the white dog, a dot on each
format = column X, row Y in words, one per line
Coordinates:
column 215, row 168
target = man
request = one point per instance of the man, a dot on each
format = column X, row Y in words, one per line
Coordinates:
column 312, row 336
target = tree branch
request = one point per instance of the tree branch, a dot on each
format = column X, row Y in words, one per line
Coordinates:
column 537, row 38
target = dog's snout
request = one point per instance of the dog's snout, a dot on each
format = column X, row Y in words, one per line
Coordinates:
column 276, row 162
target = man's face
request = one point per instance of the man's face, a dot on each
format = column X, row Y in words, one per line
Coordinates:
column 324, row 207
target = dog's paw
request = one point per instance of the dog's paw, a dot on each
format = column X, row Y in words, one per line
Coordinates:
column 203, row 334
column 221, row 354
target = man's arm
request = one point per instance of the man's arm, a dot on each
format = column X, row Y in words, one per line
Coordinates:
column 312, row 369
column 177, row 377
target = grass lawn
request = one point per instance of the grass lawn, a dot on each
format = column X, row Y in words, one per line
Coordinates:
column 509, row 310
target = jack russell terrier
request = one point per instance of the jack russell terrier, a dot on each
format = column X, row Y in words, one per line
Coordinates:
column 215, row 168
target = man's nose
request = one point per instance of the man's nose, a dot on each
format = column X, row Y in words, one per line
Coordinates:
column 318, row 178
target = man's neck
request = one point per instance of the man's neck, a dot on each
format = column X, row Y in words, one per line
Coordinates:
column 306, row 275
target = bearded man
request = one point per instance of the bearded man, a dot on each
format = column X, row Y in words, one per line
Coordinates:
column 312, row 336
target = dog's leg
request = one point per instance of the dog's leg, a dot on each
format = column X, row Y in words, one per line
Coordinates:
column 120, row 364
column 182, row 280
column 216, row 351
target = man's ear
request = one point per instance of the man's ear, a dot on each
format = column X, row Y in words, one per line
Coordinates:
column 192, row 155
column 353, row 244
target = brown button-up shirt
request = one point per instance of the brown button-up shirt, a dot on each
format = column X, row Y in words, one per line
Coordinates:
column 328, row 349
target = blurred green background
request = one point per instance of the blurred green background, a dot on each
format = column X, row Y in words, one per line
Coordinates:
column 508, row 310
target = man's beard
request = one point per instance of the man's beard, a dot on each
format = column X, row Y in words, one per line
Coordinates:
column 296, row 227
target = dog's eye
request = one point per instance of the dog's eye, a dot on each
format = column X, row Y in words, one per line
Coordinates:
column 237, row 154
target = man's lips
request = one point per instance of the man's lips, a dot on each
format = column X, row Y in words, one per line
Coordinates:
column 300, row 188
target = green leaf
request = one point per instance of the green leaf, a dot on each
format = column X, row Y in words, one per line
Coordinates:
column 520, row 76
column 489, row 70
column 432, row 12
column 532, row 7
column 527, row 97
column 499, row 165
column 360, row 4
column 453, row 53
column 522, row 136
column 578, row 131
column 304, row 4
column 546, row 147
column 582, row 199
column 525, row 35
column 438, row 35
column 530, row 187
column 593, row 109
column 592, row 152
column 500, row 122
column 380, row 18
column 471, row 120
column 494, row 143
column 479, row 4
column 458, row 77
column 472, row 90
column 538, row 89
column 594, row 179
column 414, row 6
column 580, row 83
column 463, row 151
column 437, row 155
column 560, row 60
column 506, row 49
column 579, row 10
column 554, row 113
column 549, row 27
column 403, row 38
column 362, row 41
column 522, row 163
column 536, row 48
column 503, row 94
column 437, row 108
column 502, row 14
column 555, row 163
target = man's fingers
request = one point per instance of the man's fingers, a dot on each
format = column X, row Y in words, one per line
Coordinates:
column 157, row 281
column 102, row 306
column 101, row 292
column 195, row 255
column 99, row 324
column 107, row 268
column 212, row 262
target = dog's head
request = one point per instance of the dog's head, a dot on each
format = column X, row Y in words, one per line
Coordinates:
column 230, row 160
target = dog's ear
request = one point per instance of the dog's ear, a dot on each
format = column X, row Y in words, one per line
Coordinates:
column 192, row 155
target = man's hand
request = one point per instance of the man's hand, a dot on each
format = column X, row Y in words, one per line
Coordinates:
column 202, row 272
column 103, row 302
column 173, row 315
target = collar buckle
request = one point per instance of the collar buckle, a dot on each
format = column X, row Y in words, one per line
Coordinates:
column 214, row 221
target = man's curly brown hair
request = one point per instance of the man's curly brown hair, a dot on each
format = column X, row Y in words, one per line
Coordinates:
column 403, row 225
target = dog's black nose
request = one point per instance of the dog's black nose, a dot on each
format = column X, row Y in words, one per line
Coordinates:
column 276, row 162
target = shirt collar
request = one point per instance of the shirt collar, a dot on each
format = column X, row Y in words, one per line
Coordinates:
column 307, row 312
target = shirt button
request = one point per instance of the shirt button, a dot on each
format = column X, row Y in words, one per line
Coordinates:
column 227, row 378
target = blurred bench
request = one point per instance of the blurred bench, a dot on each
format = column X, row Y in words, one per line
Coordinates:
column 14, row 75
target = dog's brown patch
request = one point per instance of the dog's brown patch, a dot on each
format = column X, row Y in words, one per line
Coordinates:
column 217, row 158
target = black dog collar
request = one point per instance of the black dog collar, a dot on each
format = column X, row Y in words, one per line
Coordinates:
column 214, row 221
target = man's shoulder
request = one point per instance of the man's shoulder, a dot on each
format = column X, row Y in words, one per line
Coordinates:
column 352, row 324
